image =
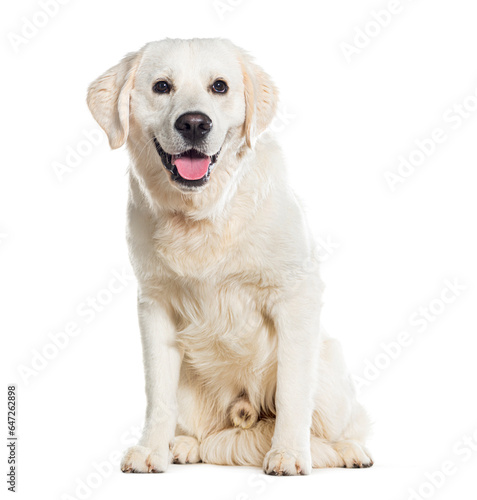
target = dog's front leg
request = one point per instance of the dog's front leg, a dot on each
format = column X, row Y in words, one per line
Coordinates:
column 297, row 324
column 162, row 360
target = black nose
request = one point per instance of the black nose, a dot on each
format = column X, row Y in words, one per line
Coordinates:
column 193, row 126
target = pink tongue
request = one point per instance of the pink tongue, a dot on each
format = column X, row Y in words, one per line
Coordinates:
column 192, row 168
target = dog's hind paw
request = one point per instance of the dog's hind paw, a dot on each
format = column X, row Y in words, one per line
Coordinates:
column 185, row 450
column 354, row 454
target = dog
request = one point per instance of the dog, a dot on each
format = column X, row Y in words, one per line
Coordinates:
column 238, row 370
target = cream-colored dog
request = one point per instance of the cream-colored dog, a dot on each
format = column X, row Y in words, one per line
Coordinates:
column 237, row 368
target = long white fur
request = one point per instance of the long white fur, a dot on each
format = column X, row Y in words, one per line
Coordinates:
column 229, row 289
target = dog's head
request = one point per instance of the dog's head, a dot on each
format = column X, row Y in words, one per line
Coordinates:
column 183, row 106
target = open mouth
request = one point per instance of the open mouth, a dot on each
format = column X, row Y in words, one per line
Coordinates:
column 190, row 168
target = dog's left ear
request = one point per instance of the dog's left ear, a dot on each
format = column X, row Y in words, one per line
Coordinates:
column 108, row 99
column 261, row 99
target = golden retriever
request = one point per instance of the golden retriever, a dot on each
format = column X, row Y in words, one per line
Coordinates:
column 238, row 370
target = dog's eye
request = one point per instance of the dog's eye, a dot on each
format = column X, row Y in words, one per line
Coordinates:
column 220, row 87
column 161, row 87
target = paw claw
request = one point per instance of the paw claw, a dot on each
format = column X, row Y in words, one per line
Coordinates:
column 185, row 450
column 139, row 459
column 287, row 463
column 354, row 454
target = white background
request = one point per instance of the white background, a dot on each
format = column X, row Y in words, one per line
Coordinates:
column 386, row 253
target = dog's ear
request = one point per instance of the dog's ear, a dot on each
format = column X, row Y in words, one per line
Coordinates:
column 261, row 99
column 108, row 99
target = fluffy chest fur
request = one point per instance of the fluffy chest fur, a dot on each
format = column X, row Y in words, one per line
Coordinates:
column 218, row 293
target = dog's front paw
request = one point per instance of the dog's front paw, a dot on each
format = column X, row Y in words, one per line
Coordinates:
column 142, row 459
column 282, row 462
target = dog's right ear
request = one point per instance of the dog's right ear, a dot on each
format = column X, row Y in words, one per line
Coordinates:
column 108, row 99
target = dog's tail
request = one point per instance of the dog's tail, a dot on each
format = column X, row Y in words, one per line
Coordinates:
column 236, row 446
